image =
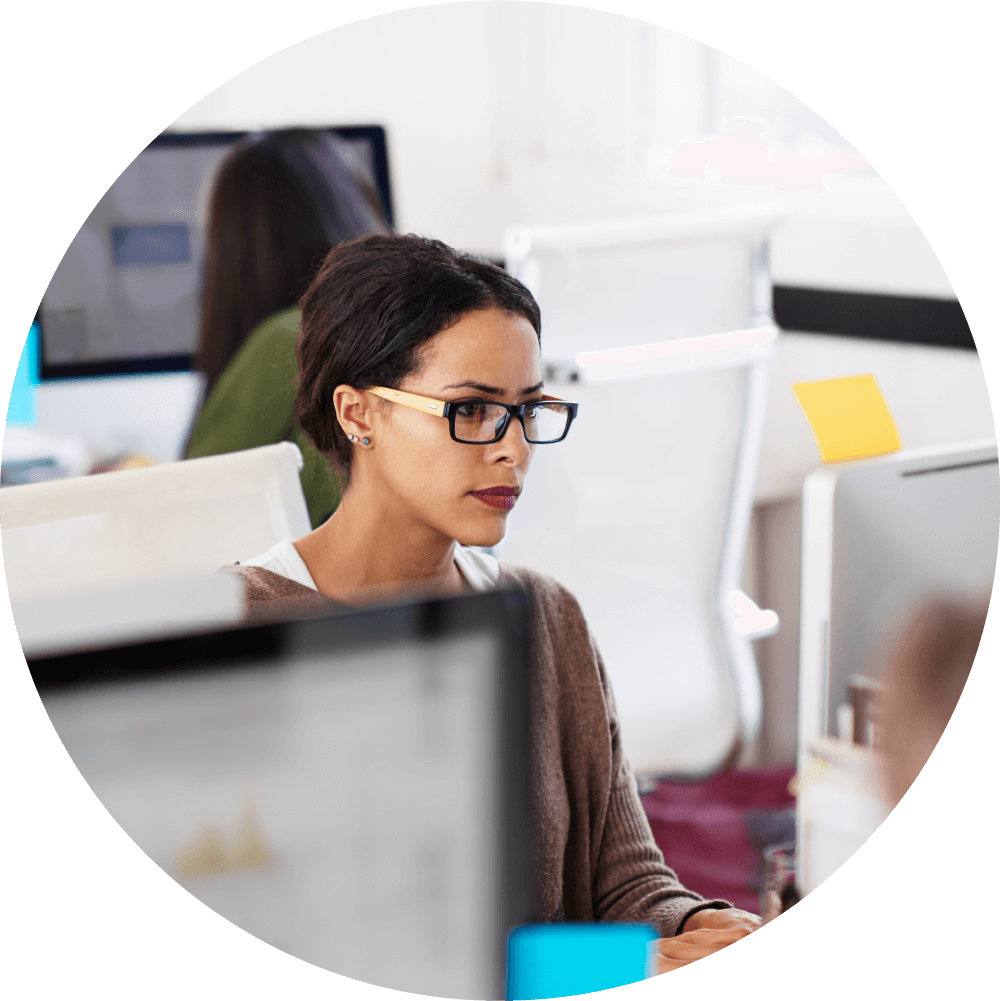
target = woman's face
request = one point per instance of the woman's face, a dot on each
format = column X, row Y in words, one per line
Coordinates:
column 489, row 355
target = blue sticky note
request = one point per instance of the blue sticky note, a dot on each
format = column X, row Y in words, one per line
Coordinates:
column 21, row 409
column 558, row 960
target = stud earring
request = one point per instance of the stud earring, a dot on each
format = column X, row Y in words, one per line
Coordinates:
column 365, row 441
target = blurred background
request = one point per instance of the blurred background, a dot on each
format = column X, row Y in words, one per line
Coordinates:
column 539, row 135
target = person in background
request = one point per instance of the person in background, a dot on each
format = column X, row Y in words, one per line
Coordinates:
column 280, row 201
column 924, row 680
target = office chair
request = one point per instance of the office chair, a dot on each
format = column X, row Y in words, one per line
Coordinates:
column 92, row 532
column 660, row 329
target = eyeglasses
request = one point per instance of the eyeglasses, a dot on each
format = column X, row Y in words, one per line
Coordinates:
column 482, row 422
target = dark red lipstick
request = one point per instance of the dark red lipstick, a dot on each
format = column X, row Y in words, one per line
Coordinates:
column 499, row 498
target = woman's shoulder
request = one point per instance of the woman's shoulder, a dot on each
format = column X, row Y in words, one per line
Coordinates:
column 533, row 580
column 271, row 344
column 251, row 404
column 280, row 324
column 270, row 596
column 277, row 332
column 284, row 560
column 562, row 645
column 551, row 598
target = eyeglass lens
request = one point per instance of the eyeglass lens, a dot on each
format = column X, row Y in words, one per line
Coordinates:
column 482, row 422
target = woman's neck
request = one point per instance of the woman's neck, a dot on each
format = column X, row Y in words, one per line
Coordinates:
column 368, row 551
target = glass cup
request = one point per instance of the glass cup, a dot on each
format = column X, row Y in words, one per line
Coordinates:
column 778, row 891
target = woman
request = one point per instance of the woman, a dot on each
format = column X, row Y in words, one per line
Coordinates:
column 420, row 381
column 280, row 202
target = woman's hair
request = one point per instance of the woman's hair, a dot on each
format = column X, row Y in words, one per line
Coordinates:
column 280, row 201
column 370, row 309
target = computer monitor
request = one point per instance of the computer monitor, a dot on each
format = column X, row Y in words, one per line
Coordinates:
column 126, row 295
column 352, row 790
column 881, row 539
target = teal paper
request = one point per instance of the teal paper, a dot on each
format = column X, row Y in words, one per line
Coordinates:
column 558, row 960
column 21, row 409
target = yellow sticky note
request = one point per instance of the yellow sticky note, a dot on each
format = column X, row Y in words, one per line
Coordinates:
column 849, row 418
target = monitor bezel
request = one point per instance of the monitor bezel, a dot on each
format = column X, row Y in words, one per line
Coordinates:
column 505, row 612
column 161, row 364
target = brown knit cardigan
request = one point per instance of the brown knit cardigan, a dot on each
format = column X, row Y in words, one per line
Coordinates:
column 596, row 857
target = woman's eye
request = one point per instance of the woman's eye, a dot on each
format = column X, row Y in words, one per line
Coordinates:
column 472, row 411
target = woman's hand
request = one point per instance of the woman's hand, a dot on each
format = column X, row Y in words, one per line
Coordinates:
column 704, row 932
column 673, row 953
column 727, row 919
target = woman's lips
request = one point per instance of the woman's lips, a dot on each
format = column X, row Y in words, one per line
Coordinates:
column 499, row 498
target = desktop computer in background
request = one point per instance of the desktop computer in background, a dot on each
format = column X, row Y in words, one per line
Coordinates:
column 882, row 540
column 352, row 790
column 125, row 299
column 126, row 295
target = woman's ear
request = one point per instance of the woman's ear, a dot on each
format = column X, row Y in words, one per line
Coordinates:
column 353, row 411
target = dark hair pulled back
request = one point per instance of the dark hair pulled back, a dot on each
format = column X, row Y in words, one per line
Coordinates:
column 373, row 304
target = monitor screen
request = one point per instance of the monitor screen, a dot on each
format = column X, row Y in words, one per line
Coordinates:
column 906, row 532
column 126, row 296
column 884, row 540
column 352, row 790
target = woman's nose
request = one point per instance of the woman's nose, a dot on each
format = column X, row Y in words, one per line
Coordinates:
column 513, row 446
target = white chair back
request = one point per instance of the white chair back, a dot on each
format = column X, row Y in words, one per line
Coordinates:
column 92, row 532
column 646, row 279
column 643, row 512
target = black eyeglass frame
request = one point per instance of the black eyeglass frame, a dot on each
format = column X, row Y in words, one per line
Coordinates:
column 442, row 408
column 513, row 410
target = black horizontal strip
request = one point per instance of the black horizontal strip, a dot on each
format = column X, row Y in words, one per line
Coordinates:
column 112, row 366
column 226, row 648
column 502, row 613
column 174, row 140
column 900, row 318
column 948, row 469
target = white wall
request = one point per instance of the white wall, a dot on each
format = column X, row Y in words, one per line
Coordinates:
column 936, row 396
column 501, row 113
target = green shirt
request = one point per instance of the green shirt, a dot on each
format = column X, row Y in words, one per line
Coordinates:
column 252, row 404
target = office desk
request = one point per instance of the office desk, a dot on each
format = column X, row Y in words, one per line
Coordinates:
column 839, row 807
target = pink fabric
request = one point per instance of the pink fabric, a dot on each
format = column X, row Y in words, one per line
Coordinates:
column 702, row 829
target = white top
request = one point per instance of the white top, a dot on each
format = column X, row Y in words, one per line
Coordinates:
column 480, row 570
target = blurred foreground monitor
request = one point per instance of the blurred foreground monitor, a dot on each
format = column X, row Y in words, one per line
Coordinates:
column 126, row 296
column 351, row 790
